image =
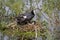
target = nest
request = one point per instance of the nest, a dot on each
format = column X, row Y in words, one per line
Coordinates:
column 25, row 28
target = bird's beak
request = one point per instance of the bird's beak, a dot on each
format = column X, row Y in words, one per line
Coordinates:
column 24, row 16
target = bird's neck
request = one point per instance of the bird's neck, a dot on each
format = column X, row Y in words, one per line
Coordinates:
column 32, row 12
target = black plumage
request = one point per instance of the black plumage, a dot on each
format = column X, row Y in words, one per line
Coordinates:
column 25, row 18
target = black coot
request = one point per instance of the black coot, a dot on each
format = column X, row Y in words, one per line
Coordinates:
column 25, row 18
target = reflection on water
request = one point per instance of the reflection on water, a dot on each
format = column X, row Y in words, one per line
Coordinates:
column 5, row 37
